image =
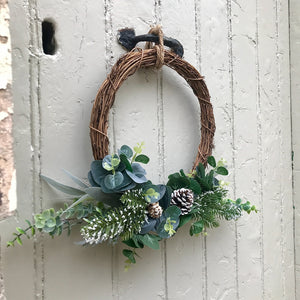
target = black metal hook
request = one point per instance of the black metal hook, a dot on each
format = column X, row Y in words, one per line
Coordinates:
column 128, row 40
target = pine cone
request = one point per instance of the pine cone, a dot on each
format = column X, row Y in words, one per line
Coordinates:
column 155, row 210
column 183, row 198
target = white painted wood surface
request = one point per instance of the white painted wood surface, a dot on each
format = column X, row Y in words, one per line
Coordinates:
column 242, row 49
column 295, row 92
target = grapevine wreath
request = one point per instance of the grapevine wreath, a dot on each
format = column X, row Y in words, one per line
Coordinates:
column 119, row 203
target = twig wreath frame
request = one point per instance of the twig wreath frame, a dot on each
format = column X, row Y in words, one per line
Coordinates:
column 126, row 66
column 119, row 202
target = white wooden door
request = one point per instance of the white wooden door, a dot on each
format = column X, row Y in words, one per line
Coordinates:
column 242, row 49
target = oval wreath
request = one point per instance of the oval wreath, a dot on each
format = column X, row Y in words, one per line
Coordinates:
column 119, row 203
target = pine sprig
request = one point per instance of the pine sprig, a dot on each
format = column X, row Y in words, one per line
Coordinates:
column 123, row 221
column 212, row 206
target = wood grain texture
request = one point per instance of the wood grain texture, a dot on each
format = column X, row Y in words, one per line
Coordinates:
column 242, row 49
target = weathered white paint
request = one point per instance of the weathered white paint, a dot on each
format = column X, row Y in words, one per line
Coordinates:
column 242, row 48
column 295, row 89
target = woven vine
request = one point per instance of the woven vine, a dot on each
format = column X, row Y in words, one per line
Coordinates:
column 126, row 66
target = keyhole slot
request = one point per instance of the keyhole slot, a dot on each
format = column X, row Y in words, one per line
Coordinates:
column 48, row 36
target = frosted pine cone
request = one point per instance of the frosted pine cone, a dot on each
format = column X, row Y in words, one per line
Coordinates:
column 155, row 210
column 183, row 198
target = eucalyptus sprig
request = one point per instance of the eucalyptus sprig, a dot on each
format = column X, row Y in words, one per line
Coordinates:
column 54, row 222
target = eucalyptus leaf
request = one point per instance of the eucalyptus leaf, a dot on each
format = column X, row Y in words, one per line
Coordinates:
column 127, row 187
column 91, row 179
column 126, row 162
column 77, row 180
column 97, row 171
column 48, row 229
column 144, row 159
column 112, row 181
column 58, row 221
column 46, row 214
column 39, row 221
column 52, row 212
column 154, row 193
column 63, row 188
column 161, row 188
column 151, row 195
column 130, row 243
column 148, row 225
column 184, row 219
column 149, row 240
column 196, row 228
column 137, row 169
column 138, row 173
column 222, row 171
column 127, row 151
column 172, row 212
column 164, row 202
column 161, row 228
column 129, row 254
column 134, row 242
column 115, row 161
column 211, row 161
column 127, row 181
column 106, row 163
column 51, row 222
column 121, row 167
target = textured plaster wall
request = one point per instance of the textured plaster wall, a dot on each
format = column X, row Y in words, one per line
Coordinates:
column 6, row 110
column 242, row 49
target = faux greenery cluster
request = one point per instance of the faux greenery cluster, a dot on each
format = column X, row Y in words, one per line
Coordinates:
column 116, row 204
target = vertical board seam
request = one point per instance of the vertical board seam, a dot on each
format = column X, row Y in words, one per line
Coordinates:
column 109, row 56
column 280, row 144
column 292, row 147
column 230, row 57
column 35, row 120
column 259, row 142
column 197, row 7
column 161, row 148
column 108, row 64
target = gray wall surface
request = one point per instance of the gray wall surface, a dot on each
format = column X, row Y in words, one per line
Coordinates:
column 243, row 50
